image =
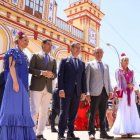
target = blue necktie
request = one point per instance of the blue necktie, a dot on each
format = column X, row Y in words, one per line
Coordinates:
column 76, row 63
column 101, row 68
column 46, row 58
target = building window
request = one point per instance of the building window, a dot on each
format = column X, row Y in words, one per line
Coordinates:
column 36, row 27
column 65, row 40
column 75, row 10
column 43, row 30
column 8, row 14
column 51, row 34
column 81, row 8
column 29, row 6
column 15, row 2
column 34, row 7
column 58, row 37
column 71, row 42
column 27, row 23
column 39, row 8
column 18, row 19
column 90, row 9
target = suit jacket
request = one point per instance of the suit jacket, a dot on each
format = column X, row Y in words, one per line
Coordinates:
column 95, row 81
column 37, row 64
column 69, row 78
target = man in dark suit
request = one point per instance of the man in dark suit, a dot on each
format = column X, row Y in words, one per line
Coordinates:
column 2, row 85
column 72, row 86
column 43, row 70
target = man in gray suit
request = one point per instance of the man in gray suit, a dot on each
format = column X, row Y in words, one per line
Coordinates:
column 43, row 70
column 98, row 91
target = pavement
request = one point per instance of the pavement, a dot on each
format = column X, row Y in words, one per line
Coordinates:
column 83, row 135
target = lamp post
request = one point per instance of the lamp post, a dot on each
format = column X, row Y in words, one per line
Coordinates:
column 108, row 44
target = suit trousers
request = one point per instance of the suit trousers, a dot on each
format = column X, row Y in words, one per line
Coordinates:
column 98, row 103
column 54, row 113
column 68, row 110
column 40, row 103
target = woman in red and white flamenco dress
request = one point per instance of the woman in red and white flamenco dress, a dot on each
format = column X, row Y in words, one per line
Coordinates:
column 127, row 121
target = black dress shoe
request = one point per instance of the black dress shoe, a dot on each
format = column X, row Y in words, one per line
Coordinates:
column 72, row 137
column 106, row 136
column 53, row 130
column 40, row 137
column 61, row 137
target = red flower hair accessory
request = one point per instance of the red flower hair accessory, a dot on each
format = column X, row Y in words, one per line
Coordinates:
column 123, row 54
column 20, row 33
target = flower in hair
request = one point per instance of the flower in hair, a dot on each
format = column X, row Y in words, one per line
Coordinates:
column 20, row 33
column 123, row 54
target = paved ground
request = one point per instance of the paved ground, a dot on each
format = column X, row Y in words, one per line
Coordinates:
column 82, row 134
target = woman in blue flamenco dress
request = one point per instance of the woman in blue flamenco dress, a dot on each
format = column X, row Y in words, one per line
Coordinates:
column 15, row 118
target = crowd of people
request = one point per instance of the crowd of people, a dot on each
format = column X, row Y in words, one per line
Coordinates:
column 24, row 108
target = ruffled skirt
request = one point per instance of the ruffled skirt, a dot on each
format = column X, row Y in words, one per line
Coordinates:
column 15, row 118
column 127, row 119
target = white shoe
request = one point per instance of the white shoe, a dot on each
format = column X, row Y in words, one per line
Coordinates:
column 91, row 137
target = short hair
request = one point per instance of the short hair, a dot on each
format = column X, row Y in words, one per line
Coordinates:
column 45, row 41
column 19, row 35
column 73, row 44
column 97, row 48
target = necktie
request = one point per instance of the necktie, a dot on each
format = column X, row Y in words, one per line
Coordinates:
column 76, row 63
column 101, row 68
column 46, row 58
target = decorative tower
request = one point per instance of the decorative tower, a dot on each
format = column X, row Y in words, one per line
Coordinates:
column 86, row 15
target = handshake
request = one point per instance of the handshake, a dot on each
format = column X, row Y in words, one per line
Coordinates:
column 47, row 74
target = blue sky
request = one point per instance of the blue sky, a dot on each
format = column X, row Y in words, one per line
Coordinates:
column 121, row 28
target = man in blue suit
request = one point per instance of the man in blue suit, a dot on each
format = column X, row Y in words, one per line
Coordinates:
column 72, row 86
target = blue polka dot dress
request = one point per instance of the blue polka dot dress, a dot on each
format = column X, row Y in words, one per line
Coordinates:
column 15, row 118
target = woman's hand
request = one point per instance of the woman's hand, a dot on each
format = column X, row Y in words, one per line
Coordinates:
column 130, row 86
column 16, row 86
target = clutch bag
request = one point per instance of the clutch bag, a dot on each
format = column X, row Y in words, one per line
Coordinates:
column 119, row 93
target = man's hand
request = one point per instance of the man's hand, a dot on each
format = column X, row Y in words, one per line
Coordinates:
column 83, row 97
column 47, row 74
column 110, row 95
column 88, row 98
column 62, row 94
column 130, row 86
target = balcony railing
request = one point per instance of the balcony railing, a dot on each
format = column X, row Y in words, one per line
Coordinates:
column 69, row 28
